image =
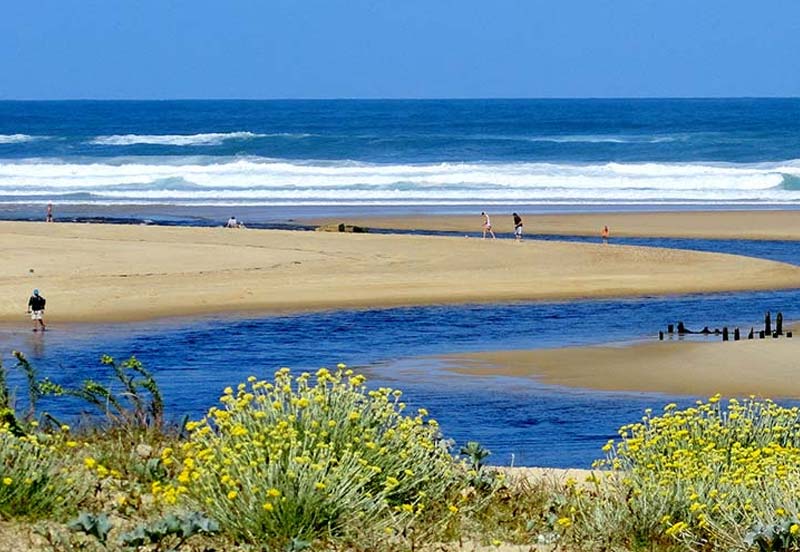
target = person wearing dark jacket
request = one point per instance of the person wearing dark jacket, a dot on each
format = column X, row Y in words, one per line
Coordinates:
column 36, row 310
column 517, row 227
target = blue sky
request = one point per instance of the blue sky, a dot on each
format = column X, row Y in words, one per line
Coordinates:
column 53, row 49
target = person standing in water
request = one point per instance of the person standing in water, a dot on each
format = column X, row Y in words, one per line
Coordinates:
column 604, row 234
column 49, row 216
column 487, row 225
column 36, row 310
column 517, row 227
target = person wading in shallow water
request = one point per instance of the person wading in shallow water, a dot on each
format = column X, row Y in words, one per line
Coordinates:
column 36, row 310
column 49, row 216
column 604, row 234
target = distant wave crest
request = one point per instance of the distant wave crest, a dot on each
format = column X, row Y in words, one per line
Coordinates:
column 205, row 139
column 17, row 138
column 261, row 181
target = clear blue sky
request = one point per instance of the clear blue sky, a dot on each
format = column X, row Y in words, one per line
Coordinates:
column 398, row 49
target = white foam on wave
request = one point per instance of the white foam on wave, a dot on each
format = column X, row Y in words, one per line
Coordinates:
column 204, row 139
column 264, row 181
column 17, row 138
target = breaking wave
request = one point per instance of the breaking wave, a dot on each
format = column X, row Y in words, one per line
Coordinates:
column 262, row 181
column 207, row 139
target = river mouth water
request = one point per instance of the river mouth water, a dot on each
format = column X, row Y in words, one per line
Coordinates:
column 521, row 421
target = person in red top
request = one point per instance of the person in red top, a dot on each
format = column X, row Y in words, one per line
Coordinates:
column 604, row 234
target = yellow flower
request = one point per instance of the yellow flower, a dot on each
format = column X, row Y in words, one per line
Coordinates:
column 273, row 492
column 71, row 444
column 89, row 462
column 453, row 508
column 794, row 529
column 232, row 495
column 7, row 481
column 268, row 506
column 228, row 390
column 319, row 486
column 564, row 522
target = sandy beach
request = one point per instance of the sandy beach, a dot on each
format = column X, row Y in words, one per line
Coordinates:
column 124, row 272
column 766, row 367
column 753, row 225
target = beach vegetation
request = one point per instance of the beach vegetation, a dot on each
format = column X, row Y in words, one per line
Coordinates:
column 321, row 460
column 318, row 457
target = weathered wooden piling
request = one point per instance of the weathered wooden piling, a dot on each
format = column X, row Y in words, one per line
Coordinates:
column 761, row 334
column 681, row 328
column 736, row 335
column 779, row 323
column 750, row 335
column 789, row 334
column 661, row 336
column 767, row 324
column 670, row 328
column 725, row 333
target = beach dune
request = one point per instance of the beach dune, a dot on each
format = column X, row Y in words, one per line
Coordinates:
column 92, row 272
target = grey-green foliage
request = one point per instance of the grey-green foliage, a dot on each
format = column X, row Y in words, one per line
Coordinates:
column 172, row 530
column 97, row 526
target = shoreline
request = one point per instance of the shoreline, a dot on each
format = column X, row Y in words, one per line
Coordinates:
column 105, row 273
column 710, row 224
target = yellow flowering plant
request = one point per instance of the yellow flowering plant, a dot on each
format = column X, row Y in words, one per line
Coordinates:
column 36, row 479
column 705, row 476
column 314, row 456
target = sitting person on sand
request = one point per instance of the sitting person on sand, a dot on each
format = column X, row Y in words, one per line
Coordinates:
column 487, row 225
column 232, row 223
column 36, row 310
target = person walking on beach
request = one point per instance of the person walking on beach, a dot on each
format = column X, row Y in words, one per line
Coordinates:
column 517, row 227
column 604, row 234
column 487, row 225
column 49, row 216
column 36, row 310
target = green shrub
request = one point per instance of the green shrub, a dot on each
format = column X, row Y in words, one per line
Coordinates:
column 37, row 481
column 308, row 458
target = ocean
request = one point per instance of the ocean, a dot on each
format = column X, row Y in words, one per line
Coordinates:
column 174, row 156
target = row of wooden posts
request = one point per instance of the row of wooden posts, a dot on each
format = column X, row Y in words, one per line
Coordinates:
column 766, row 332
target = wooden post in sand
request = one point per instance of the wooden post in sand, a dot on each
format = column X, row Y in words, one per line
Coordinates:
column 761, row 334
column 767, row 324
column 736, row 335
column 661, row 336
column 751, row 334
column 789, row 334
column 681, row 328
column 779, row 323
column 725, row 333
column 670, row 328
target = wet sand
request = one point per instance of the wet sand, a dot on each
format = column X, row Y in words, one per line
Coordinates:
column 96, row 273
column 753, row 225
column 766, row 367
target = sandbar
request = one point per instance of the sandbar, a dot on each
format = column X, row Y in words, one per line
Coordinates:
column 752, row 225
column 98, row 273
column 766, row 368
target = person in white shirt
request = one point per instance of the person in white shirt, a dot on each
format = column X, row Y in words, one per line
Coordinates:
column 487, row 225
